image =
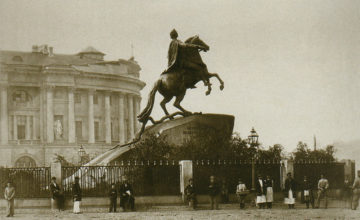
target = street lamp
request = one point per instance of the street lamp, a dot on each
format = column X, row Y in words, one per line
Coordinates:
column 81, row 153
column 253, row 141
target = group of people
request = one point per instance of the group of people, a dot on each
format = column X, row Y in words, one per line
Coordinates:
column 311, row 194
column 125, row 192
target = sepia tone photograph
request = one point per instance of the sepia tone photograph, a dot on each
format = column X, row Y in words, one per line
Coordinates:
column 179, row 109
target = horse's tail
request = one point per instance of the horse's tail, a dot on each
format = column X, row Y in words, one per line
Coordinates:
column 145, row 114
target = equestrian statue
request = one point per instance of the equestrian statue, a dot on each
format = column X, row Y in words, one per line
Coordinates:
column 185, row 69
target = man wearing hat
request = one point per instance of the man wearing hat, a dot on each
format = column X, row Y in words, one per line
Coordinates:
column 56, row 193
column 126, row 195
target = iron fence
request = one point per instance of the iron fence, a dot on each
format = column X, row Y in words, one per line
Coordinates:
column 28, row 182
column 146, row 177
column 228, row 172
column 332, row 171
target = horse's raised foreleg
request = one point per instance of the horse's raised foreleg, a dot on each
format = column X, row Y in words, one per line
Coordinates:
column 163, row 103
column 178, row 99
column 218, row 77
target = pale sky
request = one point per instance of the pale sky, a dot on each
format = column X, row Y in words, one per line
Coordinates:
column 291, row 68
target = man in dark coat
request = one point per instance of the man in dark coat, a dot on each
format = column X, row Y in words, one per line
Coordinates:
column 126, row 196
column 113, row 198
column 77, row 195
column 57, row 194
column 307, row 195
column 290, row 191
column 214, row 191
column 191, row 194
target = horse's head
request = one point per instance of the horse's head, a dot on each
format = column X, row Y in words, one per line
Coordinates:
column 197, row 41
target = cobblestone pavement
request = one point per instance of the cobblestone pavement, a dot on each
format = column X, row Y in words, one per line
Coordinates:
column 181, row 212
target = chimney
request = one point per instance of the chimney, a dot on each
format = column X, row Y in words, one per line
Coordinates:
column 35, row 49
column 51, row 51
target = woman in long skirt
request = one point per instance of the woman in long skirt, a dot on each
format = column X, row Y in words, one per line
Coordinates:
column 290, row 191
column 76, row 190
column 269, row 183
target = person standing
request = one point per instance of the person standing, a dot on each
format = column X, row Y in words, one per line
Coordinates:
column 57, row 194
column 347, row 192
column 290, row 191
column 113, row 198
column 224, row 192
column 214, row 193
column 191, row 194
column 77, row 196
column 126, row 196
column 323, row 186
column 269, row 185
column 260, row 192
column 307, row 195
column 356, row 192
column 241, row 192
column 9, row 197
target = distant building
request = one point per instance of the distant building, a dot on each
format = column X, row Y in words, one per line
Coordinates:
column 54, row 103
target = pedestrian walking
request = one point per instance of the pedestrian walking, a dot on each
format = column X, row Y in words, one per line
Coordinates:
column 290, row 191
column 260, row 192
column 9, row 197
column 190, row 193
column 57, row 194
column 269, row 186
column 214, row 191
column 127, row 198
column 356, row 192
column 77, row 196
column 113, row 198
column 241, row 192
column 307, row 195
column 323, row 186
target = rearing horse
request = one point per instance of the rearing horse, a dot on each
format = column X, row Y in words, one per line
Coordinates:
column 176, row 82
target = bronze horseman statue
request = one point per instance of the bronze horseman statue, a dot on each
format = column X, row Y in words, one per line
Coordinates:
column 185, row 69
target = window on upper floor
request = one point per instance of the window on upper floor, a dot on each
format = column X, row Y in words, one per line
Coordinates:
column 95, row 99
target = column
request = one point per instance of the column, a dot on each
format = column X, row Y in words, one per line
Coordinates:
column 107, row 118
column 34, row 133
column 28, row 128
column 137, row 100
column 41, row 116
column 131, row 116
column 71, row 116
column 15, row 128
column 4, row 115
column 49, row 115
column 91, row 132
column 122, row 131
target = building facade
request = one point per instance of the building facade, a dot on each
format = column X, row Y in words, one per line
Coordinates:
column 54, row 103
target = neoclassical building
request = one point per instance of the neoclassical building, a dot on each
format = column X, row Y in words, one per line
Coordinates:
column 54, row 103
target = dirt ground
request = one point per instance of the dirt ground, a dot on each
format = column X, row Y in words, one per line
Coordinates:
column 229, row 211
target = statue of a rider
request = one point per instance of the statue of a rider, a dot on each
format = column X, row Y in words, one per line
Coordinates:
column 178, row 63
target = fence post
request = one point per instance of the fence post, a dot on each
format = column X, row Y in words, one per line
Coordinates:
column 186, row 173
column 55, row 171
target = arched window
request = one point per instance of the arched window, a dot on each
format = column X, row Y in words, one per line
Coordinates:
column 25, row 161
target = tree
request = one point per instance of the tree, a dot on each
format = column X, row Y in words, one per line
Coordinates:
column 303, row 152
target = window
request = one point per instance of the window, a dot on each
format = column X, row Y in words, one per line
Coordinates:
column 77, row 97
column 96, row 130
column 95, row 99
column 25, row 161
column 111, row 99
column 21, row 96
column 78, row 130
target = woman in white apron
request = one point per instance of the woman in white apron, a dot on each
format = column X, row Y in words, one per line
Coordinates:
column 269, row 183
column 76, row 190
column 290, row 192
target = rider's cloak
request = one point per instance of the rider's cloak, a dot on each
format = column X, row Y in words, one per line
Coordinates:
column 173, row 58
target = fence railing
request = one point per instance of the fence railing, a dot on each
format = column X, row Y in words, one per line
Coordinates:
column 146, row 177
column 28, row 182
column 228, row 172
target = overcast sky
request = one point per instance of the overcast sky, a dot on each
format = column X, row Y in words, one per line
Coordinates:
column 291, row 68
